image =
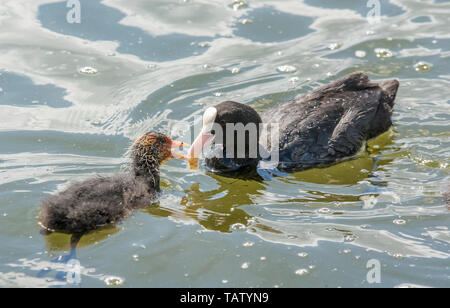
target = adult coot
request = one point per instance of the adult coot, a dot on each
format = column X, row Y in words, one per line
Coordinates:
column 322, row 127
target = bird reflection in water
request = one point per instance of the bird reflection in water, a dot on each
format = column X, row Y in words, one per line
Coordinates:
column 220, row 209
column 217, row 209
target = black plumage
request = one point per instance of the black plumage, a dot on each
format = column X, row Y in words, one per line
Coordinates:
column 87, row 205
column 322, row 127
column 333, row 121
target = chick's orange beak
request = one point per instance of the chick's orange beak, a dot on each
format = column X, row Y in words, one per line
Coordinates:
column 177, row 145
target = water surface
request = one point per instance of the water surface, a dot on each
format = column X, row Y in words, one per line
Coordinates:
column 73, row 97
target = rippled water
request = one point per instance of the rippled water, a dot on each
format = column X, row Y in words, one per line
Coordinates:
column 74, row 96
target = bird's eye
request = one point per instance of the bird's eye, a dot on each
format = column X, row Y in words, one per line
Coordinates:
column 223, row 122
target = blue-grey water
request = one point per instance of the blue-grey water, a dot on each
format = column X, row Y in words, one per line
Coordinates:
column 74, row 96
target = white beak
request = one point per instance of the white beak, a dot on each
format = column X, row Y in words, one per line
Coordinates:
column 205, row 137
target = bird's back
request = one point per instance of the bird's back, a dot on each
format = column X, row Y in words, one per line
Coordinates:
column 333, row 121
column 95, row 202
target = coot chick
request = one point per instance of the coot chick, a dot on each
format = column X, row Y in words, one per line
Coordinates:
column 88, row 205
column 320, row 128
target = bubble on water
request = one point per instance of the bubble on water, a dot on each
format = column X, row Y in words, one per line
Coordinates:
column 302, row 254
column 88, row 70
column 238, row 226
column 245, row 265
column 398, row 256
column 383, row 53
column 263, row 258
column 206, row 66
column 286, row 69
column 152, row 67
column 113, row 281
column 369, row 201
column 5, row 214
column 422, row 67
column 347, row 251
column 360, row 53
column 218, row 94
column 246, row 21
column 294, row 79
column 370, row 32
column 136, row 258
column 204, row 44
column 311, row 267
column 324, row 210
column 399, row 222
column 235, row 70
column 248, row 244
column 302, row 272
column 238, row 4
column 334, row 46
column 1, row 90
column 224, row 281
column 350, row 238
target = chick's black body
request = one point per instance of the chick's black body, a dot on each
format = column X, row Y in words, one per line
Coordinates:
column 99, row 201
column 88, row 205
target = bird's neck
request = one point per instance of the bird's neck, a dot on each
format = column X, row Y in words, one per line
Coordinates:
column 226, row 163
column 244, row 155
column 148, row 172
